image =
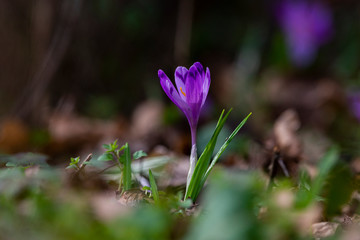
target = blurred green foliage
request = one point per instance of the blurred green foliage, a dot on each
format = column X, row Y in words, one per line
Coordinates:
column 35, row 203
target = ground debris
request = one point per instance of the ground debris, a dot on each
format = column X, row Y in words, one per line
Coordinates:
column 284, row 146
column 106, row 207
column 131, row 198
column 324, row 229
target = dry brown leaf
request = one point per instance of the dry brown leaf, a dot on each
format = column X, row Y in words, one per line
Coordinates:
column 131, row 198
column 14, row 135
column 324, row 229
column 284, row 147
column 285, row 129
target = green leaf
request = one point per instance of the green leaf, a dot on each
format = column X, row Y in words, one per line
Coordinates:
column 127, row 168
column 325, row 166
column 204, row 160
column 75, row 160
column 74, row 163
column 339, row 186
column 146, row 188
column 111, row 147
column 228, row 211
column 153, row 187
column 122, row 147
column 204, row 168
column 106, row 157
column 224, row 146
column 122, row 159
column 114, row 145
column 117, row 152
column 106, row 146
column 305, row 197
column 139, row 154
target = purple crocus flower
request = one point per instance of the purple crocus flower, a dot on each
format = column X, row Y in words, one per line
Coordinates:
column 192, row 87
column 190, row 95
column 307, row 25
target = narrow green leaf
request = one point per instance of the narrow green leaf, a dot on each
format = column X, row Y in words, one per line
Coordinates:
column 114, row 145
column 106, row 157
column 326, row 164
column 122, row 159
column 122, row 147
column 219, row 153
column 127, row 168
column 153, row 187
column 204, row 160
column 225, row 145
column 139, row 154
column 305, row 197
column 106, row 146
column 75, row 160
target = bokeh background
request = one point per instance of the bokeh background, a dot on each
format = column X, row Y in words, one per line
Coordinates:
column 75, row 74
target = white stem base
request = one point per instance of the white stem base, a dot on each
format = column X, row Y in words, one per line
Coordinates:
column 193, row 160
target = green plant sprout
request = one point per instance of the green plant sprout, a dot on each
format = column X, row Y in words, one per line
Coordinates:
column 122, row 158
column 74, row 163
column 153, row 188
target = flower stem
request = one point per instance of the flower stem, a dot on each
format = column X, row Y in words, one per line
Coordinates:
column 193, row 160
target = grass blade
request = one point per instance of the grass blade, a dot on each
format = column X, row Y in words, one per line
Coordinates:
column 204, row 160
column 190, row 177
column 219, row 153
column 225, row 145
column 325, row 166
column 328, row 161
column 153, row 188
column 127, row 168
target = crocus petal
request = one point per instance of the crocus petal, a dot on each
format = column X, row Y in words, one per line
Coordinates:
column 206, row 86
column 200, row 69
column 170, row 90
column 192, row 89
column 193, row 85
column 180, row 78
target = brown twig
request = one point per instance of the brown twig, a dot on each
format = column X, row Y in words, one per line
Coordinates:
column 83, row 164
column 276, row 162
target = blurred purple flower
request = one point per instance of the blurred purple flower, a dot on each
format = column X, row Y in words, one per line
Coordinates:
column 307, row 25
column 354, row 100
column 192, row 90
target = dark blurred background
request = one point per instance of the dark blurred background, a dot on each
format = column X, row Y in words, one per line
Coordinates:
column 77, row 73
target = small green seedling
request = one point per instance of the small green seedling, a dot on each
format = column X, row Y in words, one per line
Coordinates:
column 74, row 163
column 153, row 188
column 122, row 158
